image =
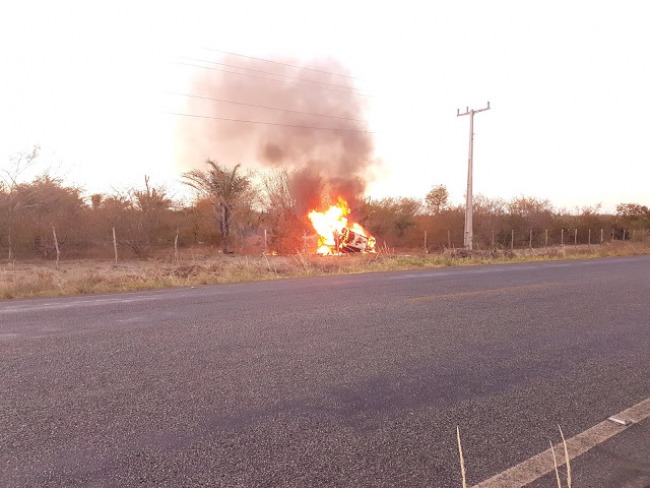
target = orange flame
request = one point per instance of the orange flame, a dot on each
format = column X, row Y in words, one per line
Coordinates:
column 335, row 235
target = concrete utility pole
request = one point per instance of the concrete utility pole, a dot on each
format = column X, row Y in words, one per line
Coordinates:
column 469, row 232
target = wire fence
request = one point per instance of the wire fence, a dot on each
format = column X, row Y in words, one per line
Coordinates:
column 534, row 239
column 177, row 246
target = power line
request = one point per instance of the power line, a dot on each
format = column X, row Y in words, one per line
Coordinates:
column 280, row 63
column 266, row 107
column 270, row 123
column 351, row 91
column 347, row 87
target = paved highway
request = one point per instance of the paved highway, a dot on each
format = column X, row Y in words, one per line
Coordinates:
column 345, row 381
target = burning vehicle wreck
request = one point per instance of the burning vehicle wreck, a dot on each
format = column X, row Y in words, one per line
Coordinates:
column 351, row 241
column 336, row 236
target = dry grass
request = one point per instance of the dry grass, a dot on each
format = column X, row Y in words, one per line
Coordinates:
column 566, row 459
column 557, row 471
column 462, row 459
column 42, row 279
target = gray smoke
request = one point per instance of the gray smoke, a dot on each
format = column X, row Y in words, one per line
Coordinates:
column 322, row 163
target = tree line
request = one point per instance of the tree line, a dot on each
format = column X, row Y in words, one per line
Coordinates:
column 237, row 211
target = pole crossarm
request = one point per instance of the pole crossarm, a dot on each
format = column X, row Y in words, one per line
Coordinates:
column 469, row 232
column 472, row 111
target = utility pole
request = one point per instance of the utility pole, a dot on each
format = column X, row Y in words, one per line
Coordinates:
column 469, row 232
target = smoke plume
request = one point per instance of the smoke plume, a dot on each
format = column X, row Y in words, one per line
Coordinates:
column 323, row 164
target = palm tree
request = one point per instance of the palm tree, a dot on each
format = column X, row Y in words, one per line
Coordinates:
column 224, row 188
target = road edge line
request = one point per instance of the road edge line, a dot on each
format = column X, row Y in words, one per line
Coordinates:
column 541, row 464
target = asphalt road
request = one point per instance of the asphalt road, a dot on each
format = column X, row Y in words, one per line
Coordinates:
column 347, row 381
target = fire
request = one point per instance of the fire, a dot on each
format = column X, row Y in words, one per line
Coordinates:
column 336, row 236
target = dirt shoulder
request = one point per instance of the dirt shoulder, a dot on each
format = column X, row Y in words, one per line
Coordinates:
column 43, row 278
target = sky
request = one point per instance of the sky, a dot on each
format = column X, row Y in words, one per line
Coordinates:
column 568, row 85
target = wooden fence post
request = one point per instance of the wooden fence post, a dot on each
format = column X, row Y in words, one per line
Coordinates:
column 512, row 239
column 176, row 246
column 530, row 240
column 115, row 245
column 56, row 246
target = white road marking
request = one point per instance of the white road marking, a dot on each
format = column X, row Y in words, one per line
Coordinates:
column 537, row 466
column 57, row 305
column 76, row 302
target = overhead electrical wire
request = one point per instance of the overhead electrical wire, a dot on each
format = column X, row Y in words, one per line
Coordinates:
column 303, row 81
column 270, row 123
column 266, row 107
column 346, row 87
column 280, row 63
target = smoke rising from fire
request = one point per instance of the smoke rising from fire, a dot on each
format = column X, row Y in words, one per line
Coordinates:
column 323, row 164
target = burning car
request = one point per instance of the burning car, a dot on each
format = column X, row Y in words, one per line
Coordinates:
column 351, row 241
column 336, row 236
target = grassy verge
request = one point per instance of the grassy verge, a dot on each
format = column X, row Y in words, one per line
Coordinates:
column 43, row 279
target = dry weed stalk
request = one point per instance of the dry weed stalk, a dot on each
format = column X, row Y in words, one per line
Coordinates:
column 268, row 265
column 462, row 460
column 566, row 458
column 557, row 471
column 302, row 260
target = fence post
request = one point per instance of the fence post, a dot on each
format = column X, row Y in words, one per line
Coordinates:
column 562, row 238
column 589, row 239
column 493, row 246
column 56, row 246
column 633, row 235
column 426, row 249
column 575, row 237
column 264, row 241
column 10, row 254
column 512, row 239
column 623, row 235
column 602, row 235
column 530, row 240
column 448, row 238
column 115, row 245
column 176, row 245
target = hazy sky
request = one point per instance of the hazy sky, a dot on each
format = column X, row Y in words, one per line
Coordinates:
column 568, row 82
